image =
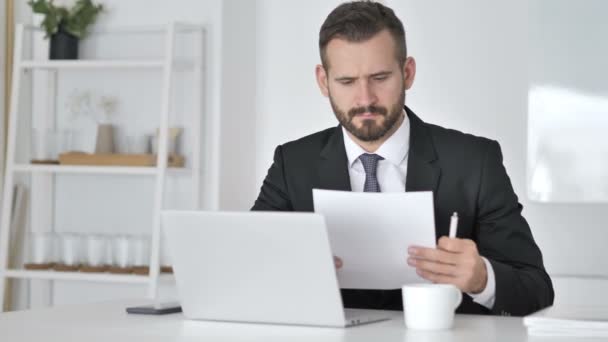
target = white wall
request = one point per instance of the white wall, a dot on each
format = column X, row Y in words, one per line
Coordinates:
column 238, row 103
column 289, row 103
column 563, row 163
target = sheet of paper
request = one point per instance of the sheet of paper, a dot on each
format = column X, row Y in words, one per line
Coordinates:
column 371, row 232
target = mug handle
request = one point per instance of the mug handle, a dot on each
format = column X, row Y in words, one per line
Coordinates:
column 458, row 297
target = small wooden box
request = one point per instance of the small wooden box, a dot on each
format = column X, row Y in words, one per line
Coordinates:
column 113, row 159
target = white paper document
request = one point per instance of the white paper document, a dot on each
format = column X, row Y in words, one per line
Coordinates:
column 371, row 232
column 569, row 321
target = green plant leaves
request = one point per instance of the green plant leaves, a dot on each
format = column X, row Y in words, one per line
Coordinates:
column 50, row 25
column 74, row 21
column 81, row 16
column 39, row 6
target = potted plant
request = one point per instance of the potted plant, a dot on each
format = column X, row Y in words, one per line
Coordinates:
column 65, row 22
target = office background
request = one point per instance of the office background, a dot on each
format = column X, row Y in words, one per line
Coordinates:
column 567, row 103
column 472, row 58
column 472, row 75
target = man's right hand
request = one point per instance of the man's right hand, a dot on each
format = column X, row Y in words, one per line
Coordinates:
column 337, row 262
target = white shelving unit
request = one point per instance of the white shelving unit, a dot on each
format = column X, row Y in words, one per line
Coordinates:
column 166, row 65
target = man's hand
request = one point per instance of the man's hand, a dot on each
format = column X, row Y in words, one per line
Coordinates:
column 454, row 261
column 337, row 262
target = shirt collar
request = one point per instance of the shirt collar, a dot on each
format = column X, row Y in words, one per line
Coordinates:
column 394, row 149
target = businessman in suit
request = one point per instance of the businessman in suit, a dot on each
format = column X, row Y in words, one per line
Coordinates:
column 380, row 145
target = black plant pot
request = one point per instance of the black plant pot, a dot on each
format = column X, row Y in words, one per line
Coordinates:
column 63, row 45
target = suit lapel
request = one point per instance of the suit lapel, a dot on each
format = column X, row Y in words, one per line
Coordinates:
column 333, row 164
column 422, row 170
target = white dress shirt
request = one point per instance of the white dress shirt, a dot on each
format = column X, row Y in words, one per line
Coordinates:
column 391, row 174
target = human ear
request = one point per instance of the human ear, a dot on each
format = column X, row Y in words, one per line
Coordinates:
column 409, row 72
column 321, row 75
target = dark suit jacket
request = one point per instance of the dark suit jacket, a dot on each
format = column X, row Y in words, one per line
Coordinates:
column 466, row 175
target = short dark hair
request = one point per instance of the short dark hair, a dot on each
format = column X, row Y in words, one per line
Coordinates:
column 358, row 21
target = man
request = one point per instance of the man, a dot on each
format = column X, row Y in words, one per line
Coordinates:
column 381, row 145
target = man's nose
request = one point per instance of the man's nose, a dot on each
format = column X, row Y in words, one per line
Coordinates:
column 366, row 95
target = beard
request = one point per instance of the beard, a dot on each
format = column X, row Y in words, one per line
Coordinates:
column 370, row 130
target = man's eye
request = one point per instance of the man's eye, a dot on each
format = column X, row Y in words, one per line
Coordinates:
column 346, row 82
column 380, row 78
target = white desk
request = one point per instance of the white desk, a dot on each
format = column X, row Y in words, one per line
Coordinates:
column 108, row 322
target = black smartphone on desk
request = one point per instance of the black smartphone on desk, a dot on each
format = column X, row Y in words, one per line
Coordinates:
column 156, row 309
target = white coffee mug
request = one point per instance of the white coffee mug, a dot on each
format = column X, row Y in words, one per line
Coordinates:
column 430, row 306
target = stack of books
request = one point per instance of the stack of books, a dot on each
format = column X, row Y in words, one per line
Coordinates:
column 569, row 321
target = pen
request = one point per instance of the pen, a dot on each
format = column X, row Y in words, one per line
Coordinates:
column 453, row 225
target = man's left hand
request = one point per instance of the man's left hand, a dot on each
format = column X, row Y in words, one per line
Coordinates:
column 455, row 261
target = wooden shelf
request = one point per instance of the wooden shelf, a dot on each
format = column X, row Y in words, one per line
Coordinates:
column 111, row 170
column 91, row 64
column 127, row 29
column 122, row 170
column 90, row 277
column 104, row 64
column 79, row 276
column 117, row 159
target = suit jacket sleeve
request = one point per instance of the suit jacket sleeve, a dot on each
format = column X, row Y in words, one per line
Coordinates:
column 504, row 238
column 273, row 194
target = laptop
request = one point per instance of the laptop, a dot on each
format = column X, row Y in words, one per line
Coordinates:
column 258, row 267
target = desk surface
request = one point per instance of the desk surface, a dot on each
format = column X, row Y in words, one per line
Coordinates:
column 109, row 322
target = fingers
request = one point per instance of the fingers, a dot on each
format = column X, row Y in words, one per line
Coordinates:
column 462, row 281
column 337, row 262
column 455, row 261
column 455, row 245
column 433, row 267
column 432, row 254
column 438, row 278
